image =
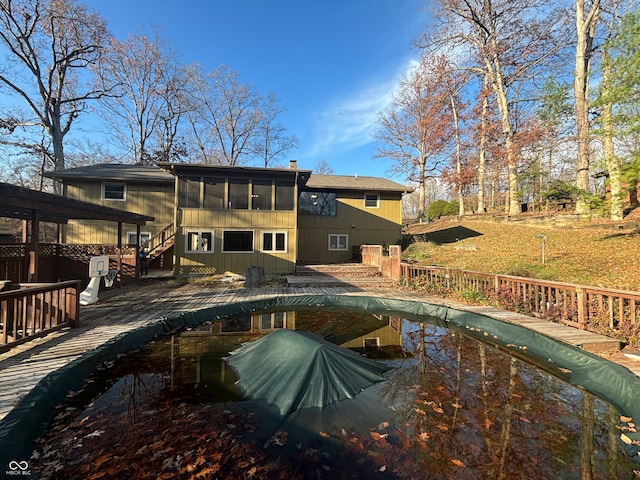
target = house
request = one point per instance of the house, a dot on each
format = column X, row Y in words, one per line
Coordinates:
column 227, row 218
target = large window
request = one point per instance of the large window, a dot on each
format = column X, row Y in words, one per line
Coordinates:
column 199, row 241
column 284, row 195
column 338, row 242
column 214, row 193
column 114, row 191
column 238, row 194
column 318, row 203
column 237, row 241
column 261, row 195
column 189, row 192
column 274, row 241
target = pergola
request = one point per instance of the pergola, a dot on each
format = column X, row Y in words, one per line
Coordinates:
column 34, row 207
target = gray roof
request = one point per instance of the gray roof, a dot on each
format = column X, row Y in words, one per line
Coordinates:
column 113, row 171
column 345, row 182
column 152, row 173
column 20, row 202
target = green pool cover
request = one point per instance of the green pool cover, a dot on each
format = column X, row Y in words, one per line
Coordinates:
column 322, row 377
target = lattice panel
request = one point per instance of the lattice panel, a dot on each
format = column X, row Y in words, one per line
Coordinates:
column 18, row 250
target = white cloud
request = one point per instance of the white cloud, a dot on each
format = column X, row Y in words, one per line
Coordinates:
column 348, row 122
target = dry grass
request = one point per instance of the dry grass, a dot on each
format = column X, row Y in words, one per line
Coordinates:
column 582, row 254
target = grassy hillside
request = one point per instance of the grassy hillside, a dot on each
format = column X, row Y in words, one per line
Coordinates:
column 583, row 254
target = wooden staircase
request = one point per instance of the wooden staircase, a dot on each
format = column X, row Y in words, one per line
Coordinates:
column 160, row 243
column 354, row 274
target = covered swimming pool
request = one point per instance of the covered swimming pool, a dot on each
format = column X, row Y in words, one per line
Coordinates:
column 436, row 395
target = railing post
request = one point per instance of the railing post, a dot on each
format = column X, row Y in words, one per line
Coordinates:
column 73, row 304
column 583, row 313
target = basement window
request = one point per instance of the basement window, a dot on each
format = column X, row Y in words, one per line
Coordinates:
column 338, row 242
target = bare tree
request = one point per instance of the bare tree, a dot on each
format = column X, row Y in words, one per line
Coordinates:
column 49, row 45
column 323, row 168
column 272, row 141
column 149, row 84
column 229, row 114
column 416, row 129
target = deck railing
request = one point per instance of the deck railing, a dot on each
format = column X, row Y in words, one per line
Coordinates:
column 34, row 310
column 576, row 305
column 61, row 262
column 160, row 240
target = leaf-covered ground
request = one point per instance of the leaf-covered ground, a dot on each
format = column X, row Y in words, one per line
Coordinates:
column 583, row 254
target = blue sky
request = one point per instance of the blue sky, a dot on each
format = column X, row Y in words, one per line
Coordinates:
column 333, row 63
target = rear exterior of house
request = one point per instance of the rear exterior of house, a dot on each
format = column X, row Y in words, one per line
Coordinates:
column 228, row 218
column 337, row 214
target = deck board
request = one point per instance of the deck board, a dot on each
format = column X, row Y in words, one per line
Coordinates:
column 125, row 309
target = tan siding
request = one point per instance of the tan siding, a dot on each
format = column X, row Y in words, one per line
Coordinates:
column 381, row 225
column 151, row 199
column 257, row 221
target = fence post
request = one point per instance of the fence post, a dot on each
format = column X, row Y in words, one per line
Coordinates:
column 583, row 313
column 394, row 255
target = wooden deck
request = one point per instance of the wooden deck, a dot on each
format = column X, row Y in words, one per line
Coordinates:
column 122, row 310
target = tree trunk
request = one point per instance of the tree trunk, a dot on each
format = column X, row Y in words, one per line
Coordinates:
column 608, row 149
column 585, row 29
column 512, row 205
column 482, row 159
column 458, row 157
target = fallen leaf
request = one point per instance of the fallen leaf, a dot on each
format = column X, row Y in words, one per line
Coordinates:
column 457, row 462
column 379, row 438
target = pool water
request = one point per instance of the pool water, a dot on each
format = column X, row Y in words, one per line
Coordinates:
column 451, row 407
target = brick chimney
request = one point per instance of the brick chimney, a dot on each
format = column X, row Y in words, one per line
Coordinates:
column 293, row 164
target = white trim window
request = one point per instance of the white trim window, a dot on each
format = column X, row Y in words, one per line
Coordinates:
column 131, row 237
column 114, row 191
column 198, row 241
column 338, row 242
column 237, row 241
column 274, row 241
column 371, row 200
column 272, row 321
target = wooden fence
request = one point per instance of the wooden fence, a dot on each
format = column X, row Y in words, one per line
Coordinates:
column 576, row 305
column 61, row 262
column 33, row 310
column 388, row 265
